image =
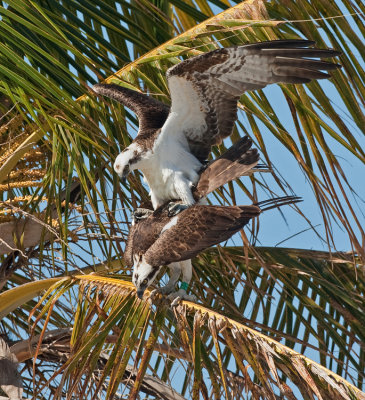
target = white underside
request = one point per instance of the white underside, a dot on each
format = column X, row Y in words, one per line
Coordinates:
column 170, row 169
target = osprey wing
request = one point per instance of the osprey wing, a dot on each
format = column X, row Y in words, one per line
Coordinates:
column 196, row 229
column 151, row 113
column 238, row 160
column 205, row 89
column 128, row 252
column 143, row 234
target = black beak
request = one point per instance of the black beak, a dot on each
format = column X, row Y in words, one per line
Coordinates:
column 140, row 293
column 124, row 174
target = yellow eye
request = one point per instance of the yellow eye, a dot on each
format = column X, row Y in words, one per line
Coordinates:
column 144, row 282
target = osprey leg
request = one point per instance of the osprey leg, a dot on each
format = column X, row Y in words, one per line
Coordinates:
column 141, row 213
column 176, row 208
column 187, row 271
column 183, row 187
column 175, row 271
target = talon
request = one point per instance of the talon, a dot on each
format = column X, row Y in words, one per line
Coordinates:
column 179, row 295
column 175, row 302
column 154, row 293
column 141, row 213
column 165, row 290
column 176, row 208
column 152, row 297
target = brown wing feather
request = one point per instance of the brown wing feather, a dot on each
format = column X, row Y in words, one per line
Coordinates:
column 198, row 228
column 151, row 113
column 214, row 81
column 144, row 233
column 129, row 247
column 235, row 162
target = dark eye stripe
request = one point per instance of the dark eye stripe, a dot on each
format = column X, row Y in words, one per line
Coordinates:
column 134, row 159
column 150, row 275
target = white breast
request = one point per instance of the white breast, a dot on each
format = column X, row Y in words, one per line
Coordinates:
column 171, row 170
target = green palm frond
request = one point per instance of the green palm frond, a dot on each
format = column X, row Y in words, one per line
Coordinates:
column 310, row 301
column 57, row 136
column 75, row 126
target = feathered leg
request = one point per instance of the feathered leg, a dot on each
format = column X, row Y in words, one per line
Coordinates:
column 187, row 271
column 175, row 271
column 183, row 187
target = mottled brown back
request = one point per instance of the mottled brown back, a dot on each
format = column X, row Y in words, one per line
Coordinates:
column 198, row 228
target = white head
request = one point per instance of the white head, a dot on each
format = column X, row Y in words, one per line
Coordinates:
column 143, row 274
column 128, row 160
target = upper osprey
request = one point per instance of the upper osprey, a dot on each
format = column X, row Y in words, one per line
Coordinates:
column 172, row 144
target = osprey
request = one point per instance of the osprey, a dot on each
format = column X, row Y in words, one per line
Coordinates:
column 163, row 240
column 173, row 143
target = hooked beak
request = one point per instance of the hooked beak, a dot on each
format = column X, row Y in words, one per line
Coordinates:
column 140, row 293
column 124, row 174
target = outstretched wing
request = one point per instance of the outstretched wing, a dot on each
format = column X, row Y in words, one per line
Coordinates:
column 196, row 229
column 205, row 89
column 151, row 113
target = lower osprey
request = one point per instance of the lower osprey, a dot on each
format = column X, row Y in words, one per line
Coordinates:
column 160, row 240
column 173, row 143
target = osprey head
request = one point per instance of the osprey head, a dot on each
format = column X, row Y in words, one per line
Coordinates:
column 143, row 274
column 128, row 160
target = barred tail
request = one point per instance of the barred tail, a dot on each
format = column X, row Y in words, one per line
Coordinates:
column 238, row 160
column 277, row 202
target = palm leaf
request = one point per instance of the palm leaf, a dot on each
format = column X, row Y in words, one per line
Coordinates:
column 112, row 301
column 61, row 135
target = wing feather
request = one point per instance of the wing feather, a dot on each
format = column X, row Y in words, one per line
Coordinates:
column 198, row 228
column 205, row 89
column 129, row 247
column 151, row 113
column 238, row 160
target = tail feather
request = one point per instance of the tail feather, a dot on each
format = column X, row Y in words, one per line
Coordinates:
column 277, row 202
column 238, row 160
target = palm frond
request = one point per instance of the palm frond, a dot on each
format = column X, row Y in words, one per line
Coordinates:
column 55, row 134
column 135, row 326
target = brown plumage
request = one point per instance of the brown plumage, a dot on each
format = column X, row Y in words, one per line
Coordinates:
column 237, row 161
column 218, row 79
column 221, row 76
column 161, row 239
column 196, row 229
column 151, row 113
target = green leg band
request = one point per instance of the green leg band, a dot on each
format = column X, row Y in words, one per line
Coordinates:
column 184, row 286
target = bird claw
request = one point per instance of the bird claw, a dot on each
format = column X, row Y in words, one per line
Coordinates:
column 141, row 213
column 167, row 289
column 176, row 208
column 163, row 290
column 179, row 295
column 154, row 296
column 154, row 293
